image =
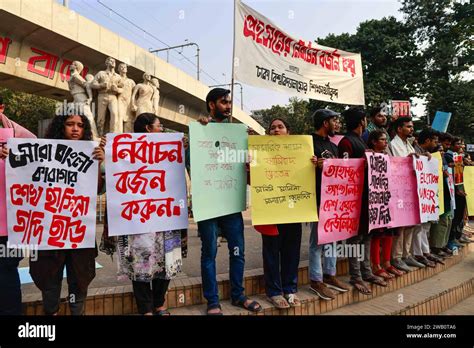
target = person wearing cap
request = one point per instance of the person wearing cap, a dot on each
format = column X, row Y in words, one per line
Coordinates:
column 323, row 279
column 218, row 103
column 352, row 146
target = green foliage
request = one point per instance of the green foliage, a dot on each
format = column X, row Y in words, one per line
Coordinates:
column 27, row 109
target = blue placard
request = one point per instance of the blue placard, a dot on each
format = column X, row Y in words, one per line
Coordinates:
column 441, row 121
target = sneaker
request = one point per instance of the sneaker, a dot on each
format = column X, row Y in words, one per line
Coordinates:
column 447, row 250
column 333, row 283
column 320, row 289
column 399, row 264
column 465, row 240
column 410, row 261
column 425, row 261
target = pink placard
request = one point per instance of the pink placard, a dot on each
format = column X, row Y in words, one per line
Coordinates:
column 379, row 190
column 342, row 185
column 336, row 139
column 3, row 201
column 5, row 133
column 403, row 188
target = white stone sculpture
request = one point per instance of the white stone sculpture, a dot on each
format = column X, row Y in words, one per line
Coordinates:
column 143, row 102
column 109, row 86
column 125, row 99
column 81, row 93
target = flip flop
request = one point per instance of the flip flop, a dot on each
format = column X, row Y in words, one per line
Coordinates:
column 361, row 287
column 376, row 281
column 254, row 306
column 214, row 307
column 279, row 302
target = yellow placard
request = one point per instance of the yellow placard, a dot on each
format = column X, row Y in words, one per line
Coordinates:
column 469, row 188
column 437, row 155
column 283, row 179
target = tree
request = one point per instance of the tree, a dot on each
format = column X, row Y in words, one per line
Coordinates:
column 27, row 109
column 296, row 113
column 444, row 31
column 390, row 59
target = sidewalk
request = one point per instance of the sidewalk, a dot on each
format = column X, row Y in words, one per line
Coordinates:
column 106, row 276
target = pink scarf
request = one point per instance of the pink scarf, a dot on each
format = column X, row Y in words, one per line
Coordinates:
column 18, row 131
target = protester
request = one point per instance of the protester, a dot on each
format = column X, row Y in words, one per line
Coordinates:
column 150, row 260
column 427, row 143
column 10, row 286
column 457, row 225
column 377, row 121
column 323, row 278
column 352, row 146
column 401, row 248
column 378, row 142
column 281, row 250
column 47, row 271
column 439, row 231
column 218, row 103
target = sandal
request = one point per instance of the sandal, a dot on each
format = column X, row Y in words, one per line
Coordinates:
column 395, row 271
column 293, row 300
column 376, row 281
column 279, row 302
column 162, row 312
column 214, row 307
column 384, row 274
column 361, row 287
column 254, row 306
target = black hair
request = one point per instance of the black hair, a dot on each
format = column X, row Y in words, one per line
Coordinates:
column 399, row 122
column 1, row 100
column 142, row 121
column 455, row 140
column 56, row 128
column 287, row 126
column 215, row 94
column 427, row 134
column 445, row 136
column 374, row 136
column 353, row 116
column 374, row 111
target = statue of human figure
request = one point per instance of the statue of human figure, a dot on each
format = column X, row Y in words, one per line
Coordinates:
column 81, row 93
column 125, row 99
column 109, row 86
column 156, row 94
column 144, row 102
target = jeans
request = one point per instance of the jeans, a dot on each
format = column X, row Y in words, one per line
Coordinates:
column 281, row 257
column 457, row 225
column 316, row 269
column 232, row 228
column 150, row 295
column 360, row 269
column 10, row 286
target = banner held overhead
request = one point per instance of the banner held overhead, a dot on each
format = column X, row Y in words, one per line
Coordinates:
column 267, row 57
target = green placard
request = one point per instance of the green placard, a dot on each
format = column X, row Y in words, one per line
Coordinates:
column 218, row 175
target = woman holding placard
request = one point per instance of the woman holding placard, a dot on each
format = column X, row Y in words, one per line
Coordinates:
column 150, row 260
column 47, row 270
column 281, row 250
column 381, row 242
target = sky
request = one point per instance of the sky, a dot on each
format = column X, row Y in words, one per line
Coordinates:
column 209, row 23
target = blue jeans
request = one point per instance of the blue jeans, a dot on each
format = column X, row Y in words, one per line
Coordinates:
column 232, row 228
column 282, row 251
column 316, row 269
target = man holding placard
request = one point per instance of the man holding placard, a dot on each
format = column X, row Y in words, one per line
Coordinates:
column 323, row 280
column 218, row 102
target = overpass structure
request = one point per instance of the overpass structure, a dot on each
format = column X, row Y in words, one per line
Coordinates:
column 40, row 38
